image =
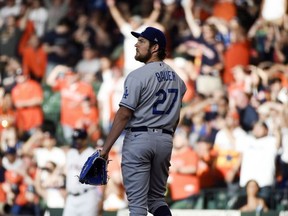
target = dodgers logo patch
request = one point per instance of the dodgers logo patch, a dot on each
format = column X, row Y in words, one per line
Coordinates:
column 125, row 95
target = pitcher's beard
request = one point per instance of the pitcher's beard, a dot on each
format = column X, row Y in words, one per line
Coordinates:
column 143, row 58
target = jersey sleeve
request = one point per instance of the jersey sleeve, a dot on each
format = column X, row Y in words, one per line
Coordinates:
column 132, row 91
column 183, row 89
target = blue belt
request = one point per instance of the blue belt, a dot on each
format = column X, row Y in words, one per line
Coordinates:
column 145, row 129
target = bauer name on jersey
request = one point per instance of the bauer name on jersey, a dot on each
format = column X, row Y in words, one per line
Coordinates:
column 165, row 76
column 168, row 90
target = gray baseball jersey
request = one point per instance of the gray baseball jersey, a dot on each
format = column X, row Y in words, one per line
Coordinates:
column 154, row 92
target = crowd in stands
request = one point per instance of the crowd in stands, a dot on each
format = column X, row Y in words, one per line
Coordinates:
column 62, row 68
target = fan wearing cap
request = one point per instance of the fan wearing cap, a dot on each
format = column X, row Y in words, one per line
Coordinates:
column 149, row 113
column 79, row 138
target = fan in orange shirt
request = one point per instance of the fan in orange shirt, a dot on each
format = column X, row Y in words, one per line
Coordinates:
column 224, row 9
column 237, row 51
column 207, row 172
column 20, row 196
column 27, row 26
column 34, row 59
column 183, row 182
column 27, row 97
column 73, row 93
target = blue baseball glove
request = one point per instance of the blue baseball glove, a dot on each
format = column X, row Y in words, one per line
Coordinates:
column 94, row 171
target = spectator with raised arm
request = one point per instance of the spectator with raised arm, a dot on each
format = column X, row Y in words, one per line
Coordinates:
column 259, row 152
column 57, row 44
column 34, row 59
column 74, row 92
column 56, row 9
column 10, row 8
column 135, row 23
column 38, row 14
column 10, row 34
column 205, row 50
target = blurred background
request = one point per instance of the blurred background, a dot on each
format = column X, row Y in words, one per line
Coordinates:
column 62, row 68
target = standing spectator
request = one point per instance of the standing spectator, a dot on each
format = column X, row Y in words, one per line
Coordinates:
column 26, row 25
column 11, row 8
column 274, row 114
column 274, row 12
column 247, row 113
column 135, row 23
column 34, row 59
column 39, row 15
column 57, row 44
column 237, row 50
column 263, row 36
column 82, row 199
column 10, row 35
column 228, row 143
column 56, row 9
column 27, row 97
column 83, row 34
column 183, row 181
column 112, row 86
column 105, row 40
column 73, row 93
column 259, row 158
column 89, row 66
column 206, row 51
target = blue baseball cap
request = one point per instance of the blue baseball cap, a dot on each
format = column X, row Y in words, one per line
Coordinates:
column 11, row 150
column 79, row 133
column 153, row 35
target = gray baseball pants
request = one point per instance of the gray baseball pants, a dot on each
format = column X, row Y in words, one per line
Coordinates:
column 145, row 169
